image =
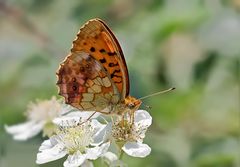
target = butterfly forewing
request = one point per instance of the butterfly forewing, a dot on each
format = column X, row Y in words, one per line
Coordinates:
column 94, row 76
column 97, row 39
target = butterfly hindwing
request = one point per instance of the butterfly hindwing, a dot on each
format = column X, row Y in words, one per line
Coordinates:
column 85, row 84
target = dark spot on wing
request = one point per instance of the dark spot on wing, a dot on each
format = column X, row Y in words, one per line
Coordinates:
column 102, row 50
column 103, row 60
column 74, row 88
column 118, row 82
column 114, row 75
column 111, row 53
column 112, row 64
column 92, row 49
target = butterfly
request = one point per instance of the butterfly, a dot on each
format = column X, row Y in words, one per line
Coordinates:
column 94, row 76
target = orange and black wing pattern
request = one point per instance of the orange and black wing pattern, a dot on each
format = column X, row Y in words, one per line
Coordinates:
column 97, row 39
column 94, row 74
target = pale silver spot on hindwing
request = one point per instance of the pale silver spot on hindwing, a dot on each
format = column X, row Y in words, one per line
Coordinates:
column 87, row 96
column 106, row 82
column 96, row 88
column 86, row 105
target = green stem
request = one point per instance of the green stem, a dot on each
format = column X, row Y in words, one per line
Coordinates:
column 121, row 155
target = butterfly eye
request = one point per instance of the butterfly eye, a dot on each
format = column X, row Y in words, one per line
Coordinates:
column 131, row 106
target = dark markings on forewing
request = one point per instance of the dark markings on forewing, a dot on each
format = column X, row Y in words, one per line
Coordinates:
column 103, row 60
column 112, row 53
column 102, row 50
column 114, row 75
column 118, row 82
column 105, row 68
column 92, row 49
column 112, row 64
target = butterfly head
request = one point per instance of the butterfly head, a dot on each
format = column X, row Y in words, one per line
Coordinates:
column 132, row 103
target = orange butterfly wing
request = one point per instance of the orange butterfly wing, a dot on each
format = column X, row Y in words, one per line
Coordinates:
column 94, row 75
column 96, row 38
column 84, row 83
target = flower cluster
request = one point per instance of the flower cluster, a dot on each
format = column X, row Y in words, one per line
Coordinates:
column 131, row 136
column 39, row 118
column 80, row 139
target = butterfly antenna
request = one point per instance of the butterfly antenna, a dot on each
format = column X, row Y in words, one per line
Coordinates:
column 157, row 93
column 147, row 107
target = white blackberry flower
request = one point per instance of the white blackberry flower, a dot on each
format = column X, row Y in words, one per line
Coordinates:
column 80, row 141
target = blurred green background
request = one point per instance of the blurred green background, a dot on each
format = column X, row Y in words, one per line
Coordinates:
column 193, row 45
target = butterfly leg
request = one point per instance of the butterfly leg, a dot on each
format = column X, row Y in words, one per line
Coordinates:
column 105, row 113
column 88, row 118
column 133, row 118
column 131, row 114
column 122, row 121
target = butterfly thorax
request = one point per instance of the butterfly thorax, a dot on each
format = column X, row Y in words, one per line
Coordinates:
column 129, row 104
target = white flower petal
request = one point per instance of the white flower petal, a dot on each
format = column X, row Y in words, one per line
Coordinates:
column 87, row 164
column 67, row 108
column 49, row 152
column 99, row 136
column 143, row 117
column 13, row 129
column 96, row 124
column 95, row 152
column 26, row 130
column 108, row 131
column 75, row 160
column 54, row 139
column 73, row 118
column 136, row 149
column 45, row 145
